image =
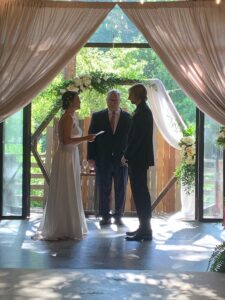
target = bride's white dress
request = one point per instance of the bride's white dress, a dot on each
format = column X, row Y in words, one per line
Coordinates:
column 63, row 216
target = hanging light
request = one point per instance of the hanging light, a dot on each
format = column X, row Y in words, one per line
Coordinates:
column 218, row 2
column 142, row 1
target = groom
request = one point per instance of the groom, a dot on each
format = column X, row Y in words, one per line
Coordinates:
column 139, row 156
column 105, row 154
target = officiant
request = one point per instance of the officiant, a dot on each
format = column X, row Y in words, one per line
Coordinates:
column 105, row 153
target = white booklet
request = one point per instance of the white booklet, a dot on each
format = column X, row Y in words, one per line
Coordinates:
column 100, row 132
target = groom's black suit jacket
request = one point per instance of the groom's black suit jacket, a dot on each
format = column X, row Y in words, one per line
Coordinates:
column 108, row 146
column 139, row 152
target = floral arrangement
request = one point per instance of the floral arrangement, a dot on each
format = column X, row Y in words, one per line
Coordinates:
column 101, row 82
column 220, row 140
column 78, row 84
column 185, row 172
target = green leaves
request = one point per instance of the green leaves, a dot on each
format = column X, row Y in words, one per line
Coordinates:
column 189, row 131
column 186, row 174
column 221, row 137
column 217, row 259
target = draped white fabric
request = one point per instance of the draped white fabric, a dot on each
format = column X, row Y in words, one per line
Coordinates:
column 165, row 115
column 189, row 37
column 37, row 39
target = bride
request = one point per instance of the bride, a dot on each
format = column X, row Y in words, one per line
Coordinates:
column 63, row 216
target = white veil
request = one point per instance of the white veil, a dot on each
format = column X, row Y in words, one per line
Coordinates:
column 166, row 117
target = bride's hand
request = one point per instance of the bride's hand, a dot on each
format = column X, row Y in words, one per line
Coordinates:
column 91, row 137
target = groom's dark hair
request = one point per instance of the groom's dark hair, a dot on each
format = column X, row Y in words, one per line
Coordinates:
column 67, row 98
column 139, row 91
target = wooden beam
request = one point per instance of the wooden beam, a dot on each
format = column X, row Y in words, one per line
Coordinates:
column 117, row 45
column 169, row 184
column 40, row 164
column 45, row 122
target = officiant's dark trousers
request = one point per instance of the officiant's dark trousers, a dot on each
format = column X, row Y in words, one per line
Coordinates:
column 105, row 173
column 141, row 195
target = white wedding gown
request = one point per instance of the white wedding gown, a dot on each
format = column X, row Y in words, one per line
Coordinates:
column 63, row 216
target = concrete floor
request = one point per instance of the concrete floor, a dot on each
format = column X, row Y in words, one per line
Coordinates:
column 104, row 265
column 92, row 284
column 176, row 246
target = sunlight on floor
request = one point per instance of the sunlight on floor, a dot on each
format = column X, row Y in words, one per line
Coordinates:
column 100, row 284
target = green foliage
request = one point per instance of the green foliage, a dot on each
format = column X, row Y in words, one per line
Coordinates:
column 117, row 27
column 217, row 259
column 44, row 102
column 189, row 130
column 103, row 82
column 185, row 172
column 138, row 64
column 220, row 140
column 96, row 83
column 133, row 64
column 35, row 203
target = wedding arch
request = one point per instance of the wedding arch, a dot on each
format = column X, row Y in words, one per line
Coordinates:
column 166, row 117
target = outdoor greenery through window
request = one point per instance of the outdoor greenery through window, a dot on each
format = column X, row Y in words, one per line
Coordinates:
column 117, row 28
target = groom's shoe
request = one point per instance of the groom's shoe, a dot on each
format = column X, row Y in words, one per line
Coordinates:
column 140, row 236
column 132, row 233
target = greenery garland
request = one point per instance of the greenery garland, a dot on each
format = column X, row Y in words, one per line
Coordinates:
column 101, row 82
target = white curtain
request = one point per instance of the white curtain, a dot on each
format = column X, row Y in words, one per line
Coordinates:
column 189, row 37
column 165, row 115
column 37, row 39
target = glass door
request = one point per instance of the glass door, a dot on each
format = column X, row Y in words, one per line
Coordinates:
column 213, row 172
column 15, row 166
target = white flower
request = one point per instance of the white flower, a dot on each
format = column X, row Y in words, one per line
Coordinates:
column 82, row 87
column 188, row 140
column 71, row 86
column 87, row 78
column 221, row 135
column 77, row 81
column 105, row 77
column 74, row 89
column 98, row 80
column 87, row 82
column 190, row 151
column 190, row 161
column 62, row 91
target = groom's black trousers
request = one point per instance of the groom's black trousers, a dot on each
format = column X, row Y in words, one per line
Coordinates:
column 141, row 195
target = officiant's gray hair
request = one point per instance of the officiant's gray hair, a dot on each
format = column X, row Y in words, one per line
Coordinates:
column 114, row 91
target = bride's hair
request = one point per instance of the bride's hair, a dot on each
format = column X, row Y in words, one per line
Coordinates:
column 67, row 98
